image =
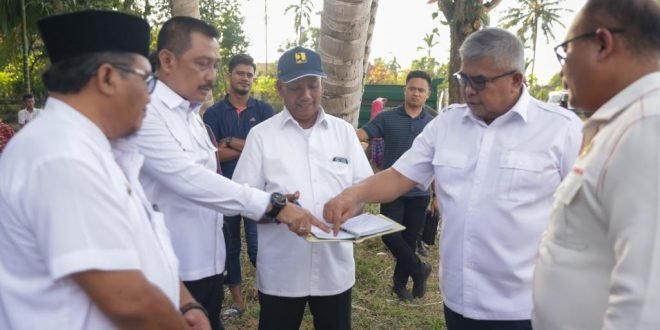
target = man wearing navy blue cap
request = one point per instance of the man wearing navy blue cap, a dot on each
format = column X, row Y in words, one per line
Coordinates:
column 317, row 155
column 80, row 245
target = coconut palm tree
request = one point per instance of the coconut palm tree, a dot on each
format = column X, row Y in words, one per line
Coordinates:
column 530, row 16
column 464, row 17
column 345, row 26
column 185, row 8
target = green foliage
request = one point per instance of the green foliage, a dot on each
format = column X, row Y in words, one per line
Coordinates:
column 264, row 88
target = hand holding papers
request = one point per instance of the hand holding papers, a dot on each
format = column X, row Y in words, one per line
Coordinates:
column 358, row 229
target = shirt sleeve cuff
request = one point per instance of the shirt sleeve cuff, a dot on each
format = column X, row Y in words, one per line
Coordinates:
column 94, row 260
column 257, row 203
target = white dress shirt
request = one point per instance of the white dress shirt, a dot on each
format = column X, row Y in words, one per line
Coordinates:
column 179, row 175
column 599, row 260
column 69, row 203
column 494, row 184
column 320, row 162
column 25, row 116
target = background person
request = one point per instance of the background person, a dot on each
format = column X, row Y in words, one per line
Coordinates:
column 496, row 162
column 230, row 120
column 29, row 113
column 598, row 260
column 398, row 128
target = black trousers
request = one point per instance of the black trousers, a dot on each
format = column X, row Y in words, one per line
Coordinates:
column 455, row 321
column 209, row 292
column 410, row 212
column 285, row 313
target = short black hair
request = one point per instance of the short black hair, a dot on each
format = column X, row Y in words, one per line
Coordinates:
column 175, row 33
column 27, row 96
column 241, row 59
column 69, row 76
column 419, row 74
column 640, row 20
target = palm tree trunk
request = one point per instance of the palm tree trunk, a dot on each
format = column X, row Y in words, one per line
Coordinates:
column 370, row 32
column 342, row 46
column 185, row 8
column 26, row 71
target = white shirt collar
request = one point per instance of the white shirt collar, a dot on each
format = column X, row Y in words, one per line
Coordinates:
column 287, row 117
column 627, row 96
column 521, row 108
column 173, row 100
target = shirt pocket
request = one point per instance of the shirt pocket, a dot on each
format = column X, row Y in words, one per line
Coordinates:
column 450, row 168
column 525, row 176
column 562, row 231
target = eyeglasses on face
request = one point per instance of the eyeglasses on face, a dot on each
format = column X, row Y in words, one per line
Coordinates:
column 560, row 50
column 478, row 83
column 149, row 78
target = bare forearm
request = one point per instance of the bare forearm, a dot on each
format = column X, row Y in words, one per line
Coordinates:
column 226, row 154
column 130, row 301
column 382, row 187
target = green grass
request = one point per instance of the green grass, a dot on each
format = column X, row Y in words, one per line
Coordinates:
column 374, row 306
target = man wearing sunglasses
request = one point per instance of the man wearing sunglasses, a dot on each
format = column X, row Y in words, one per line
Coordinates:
column 80, row 245
column 599, row 260
column 496, row 161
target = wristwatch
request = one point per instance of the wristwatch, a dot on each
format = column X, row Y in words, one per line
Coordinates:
column 228, row 142
column 277, row 202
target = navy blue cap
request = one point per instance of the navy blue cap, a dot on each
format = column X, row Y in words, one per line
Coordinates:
column 297, row 63
column 83, row 32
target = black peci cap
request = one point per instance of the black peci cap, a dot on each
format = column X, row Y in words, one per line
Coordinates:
column 78, row 33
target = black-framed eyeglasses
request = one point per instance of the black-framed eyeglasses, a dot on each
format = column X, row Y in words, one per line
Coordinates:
column 149, row 78
column 478, row 83
column 560, row 50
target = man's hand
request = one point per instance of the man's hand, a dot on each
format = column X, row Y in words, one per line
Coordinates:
column 196, row 320
column 337, row 210
column 299, row 220
column 435, row 207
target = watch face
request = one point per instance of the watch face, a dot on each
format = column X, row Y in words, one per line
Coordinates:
column 279, row 198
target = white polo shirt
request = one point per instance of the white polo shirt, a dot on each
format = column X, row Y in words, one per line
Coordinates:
column 320, row 162
column 179, row 175
column 599, row 260
column 69, row 203
column 25, row 116
column 494, row 184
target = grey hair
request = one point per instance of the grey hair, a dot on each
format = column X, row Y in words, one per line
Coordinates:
column 503, row 46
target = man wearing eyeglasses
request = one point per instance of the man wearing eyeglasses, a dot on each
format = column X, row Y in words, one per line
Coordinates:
column 398, row 128
column 496, row 162
column 599, row 260
column 80, row 245
column 179, row 173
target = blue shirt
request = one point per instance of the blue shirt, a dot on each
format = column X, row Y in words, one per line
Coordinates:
column 398, row 131
column 225, row 121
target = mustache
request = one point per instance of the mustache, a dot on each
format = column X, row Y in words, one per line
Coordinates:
column 210, row 85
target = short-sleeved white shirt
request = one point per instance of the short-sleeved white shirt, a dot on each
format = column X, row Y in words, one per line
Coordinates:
column 494, row 184
column 70, row 202
column 179, row 175
column 599, row 259
column 25, row 116
column 320, row 162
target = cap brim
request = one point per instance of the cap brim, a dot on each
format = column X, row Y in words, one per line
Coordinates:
column 295, row 76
